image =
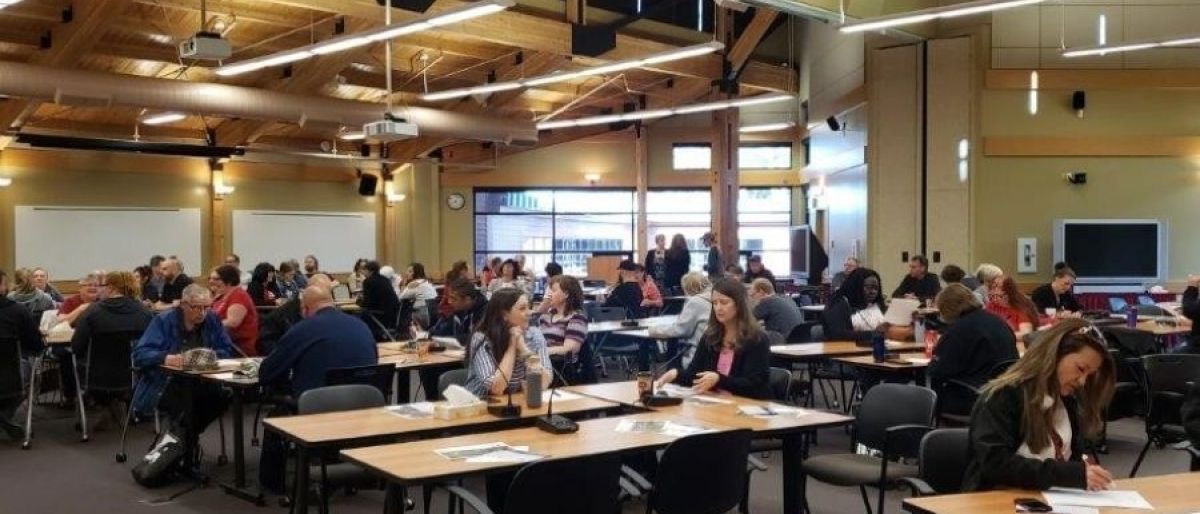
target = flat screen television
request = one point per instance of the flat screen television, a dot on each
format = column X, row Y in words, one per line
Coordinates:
column 800, row 238
column 1113, row 251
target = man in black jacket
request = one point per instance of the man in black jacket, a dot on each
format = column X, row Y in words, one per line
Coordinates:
column 20, row 337
column 380, row 304
column 969, row 350
column 1191, row 309
column 628, row 293
column 919, row 283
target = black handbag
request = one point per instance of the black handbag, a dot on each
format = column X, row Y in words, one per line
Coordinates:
column 157, row 467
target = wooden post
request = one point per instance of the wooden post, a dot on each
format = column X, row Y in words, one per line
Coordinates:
column 218, row 213
column 577, row 12
column 642, row 168
column 724, row 179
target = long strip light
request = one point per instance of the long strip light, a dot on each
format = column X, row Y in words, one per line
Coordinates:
column 1131, row 46
column 348, row 41
column 661, row 57
column 947, row 11
column 662, row 113
column 160, row 118
column 766, row 127
column 6, row 3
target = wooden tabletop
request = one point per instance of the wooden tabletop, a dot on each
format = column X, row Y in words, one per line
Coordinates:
column 58, row 337
column 342, row 428
column 416, row 462
column 1167, row 493
column 1162, row 329
column 405, row 360
column 615, row 326
column 829, row 349
column 724, row 414
column 916, row 362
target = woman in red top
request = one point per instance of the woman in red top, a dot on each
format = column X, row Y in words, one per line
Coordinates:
column 235, row 308
column 1006, row 301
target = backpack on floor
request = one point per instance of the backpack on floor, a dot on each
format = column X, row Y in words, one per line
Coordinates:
column 157, row 467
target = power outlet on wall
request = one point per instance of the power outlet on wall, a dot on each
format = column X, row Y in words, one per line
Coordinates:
column 1026, row 255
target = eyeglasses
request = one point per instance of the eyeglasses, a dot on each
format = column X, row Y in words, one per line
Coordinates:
column 195, row 308
column 1091, row 331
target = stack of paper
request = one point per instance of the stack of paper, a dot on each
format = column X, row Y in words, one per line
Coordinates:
column 669, row 428
column 417, row 410
column 489, row 452
column 559, row 396
column 771, row 410
column 1059, row 497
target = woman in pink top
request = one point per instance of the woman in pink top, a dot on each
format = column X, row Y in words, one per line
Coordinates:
column 651, row 297
column 734, row 355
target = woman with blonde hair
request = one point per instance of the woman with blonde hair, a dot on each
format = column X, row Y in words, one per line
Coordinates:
column 119, row 314
column 693, row 317
column 734, row 354
column 1029, row 425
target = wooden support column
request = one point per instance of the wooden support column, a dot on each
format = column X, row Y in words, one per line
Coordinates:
column 642, row 169
column 724, row 179
column 577, row 12
column 218, row 218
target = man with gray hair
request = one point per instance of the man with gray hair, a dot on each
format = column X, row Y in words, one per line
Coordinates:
column 190, row 404
column 848, row 266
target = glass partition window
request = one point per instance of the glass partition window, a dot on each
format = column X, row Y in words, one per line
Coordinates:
column 751, row 156
column 764, row 216
column 564, row 226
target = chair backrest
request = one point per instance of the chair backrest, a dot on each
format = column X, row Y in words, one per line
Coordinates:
column 702, row 474
column 379, row 376
column 801, row 333
column 780, row 383
column 452, row 377
column 1167, row 378
column 943, row 459
column 404, row 317
column 889, row 405
column 10, row 367
column 107, row 361
column 584, row 485
column 590, row 283
column 608, row 313
column 341, row 292
column 1001, row 367
column 1130, row 342
column 339, row 398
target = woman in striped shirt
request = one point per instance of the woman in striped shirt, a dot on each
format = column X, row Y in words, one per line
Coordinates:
column 565, row 328
column 502, row 342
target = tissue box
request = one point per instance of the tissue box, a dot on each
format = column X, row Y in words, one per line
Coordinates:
column 446, row 410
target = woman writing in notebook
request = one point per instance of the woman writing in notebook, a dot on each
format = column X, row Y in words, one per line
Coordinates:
column 1029, row 424
column 734, row 354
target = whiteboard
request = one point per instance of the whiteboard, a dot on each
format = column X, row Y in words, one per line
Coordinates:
column 71, row 241
column 337, row 239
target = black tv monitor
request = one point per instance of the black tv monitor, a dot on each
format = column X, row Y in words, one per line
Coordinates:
column 800, row 237
column 1116, row 251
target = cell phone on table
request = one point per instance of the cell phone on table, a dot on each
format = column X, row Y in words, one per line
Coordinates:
column 1031, row 505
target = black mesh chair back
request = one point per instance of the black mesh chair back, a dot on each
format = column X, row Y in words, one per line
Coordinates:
column 608, row 313
column 890, row 405
column 379, row 376
column 340, row 398
column 107, row 361
column 702, row 474
column 1167, row 378
column 583, row 485
column 449, row 378
column 11, row 384
column 801, row 333
column 1128, row 398
column 1130, row 342
column 943, row 459
column 780, row 384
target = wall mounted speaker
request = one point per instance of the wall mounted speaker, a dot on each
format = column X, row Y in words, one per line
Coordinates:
column 367, row 183
column 1078, row 102
column 833, row 124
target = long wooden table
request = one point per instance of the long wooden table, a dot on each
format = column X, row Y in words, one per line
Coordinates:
column 1177, row 493
column 807, row 352
column 597, row 327
column 373, row 426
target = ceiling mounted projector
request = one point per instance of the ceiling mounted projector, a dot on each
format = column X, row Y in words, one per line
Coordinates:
column 206, row 46
column 389, row 130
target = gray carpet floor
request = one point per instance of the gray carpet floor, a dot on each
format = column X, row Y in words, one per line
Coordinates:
column 60, row 474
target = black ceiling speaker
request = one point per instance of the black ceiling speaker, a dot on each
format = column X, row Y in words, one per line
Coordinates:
column 833, row 124
column 592, row 40
column 367, row 183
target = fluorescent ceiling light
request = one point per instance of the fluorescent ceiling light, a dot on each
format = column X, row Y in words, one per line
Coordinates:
column 1132, row 46
column 660, row 113
column 659, row 58
column 6, row 3
column 160, row 118
column 948, row 11
column 348, row 41
column 766, row 127
column 352, row 136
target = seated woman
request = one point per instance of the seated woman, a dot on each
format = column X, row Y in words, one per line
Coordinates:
column 565, row 328
column 234, row 307
column 969, row 350
column 419, row 289
column 855, row 311
column 262, row 288
column 75, row 305
column 1006, row 301
column 652, row 299
column 1029, row 425
column 458, row 270
column 507, row 278
column 734, row 355
column 501, row 344
column 693, row 318
column 285, row 281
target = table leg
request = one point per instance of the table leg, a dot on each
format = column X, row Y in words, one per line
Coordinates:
column 79, row 389
column 793, row 481
column 300, row 488
column 403, row 386
column 238, row 488
column 33, row 394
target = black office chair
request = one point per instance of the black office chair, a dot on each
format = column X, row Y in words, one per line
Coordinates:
column 584, row 485
column 379, row 376
column 1167, row 378
column 780, row 384
column 801, row 333
column 622, row 352
column 967, row 391
column 12, row 388
column 891, row 419
column 333, row 473
column 452, row 377
column 697, row 474
column 943, row 460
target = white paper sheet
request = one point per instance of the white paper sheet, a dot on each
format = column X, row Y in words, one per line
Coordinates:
column 1077, row 497
column 559, row 396
column 418, row 410
column 463, row 452
column 660, row 427
column 900, row 311
column 509, row 454
column 772, row 410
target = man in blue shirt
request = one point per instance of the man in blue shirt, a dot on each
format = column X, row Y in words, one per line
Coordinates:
column 326, row 339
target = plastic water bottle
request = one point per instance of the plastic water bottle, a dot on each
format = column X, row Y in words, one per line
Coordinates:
column 533, row 382
column 919, row 330
column 1131, row 316
column 878, row 347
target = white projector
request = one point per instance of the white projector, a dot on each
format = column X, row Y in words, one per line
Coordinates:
column 386, row 131
column 205, row 45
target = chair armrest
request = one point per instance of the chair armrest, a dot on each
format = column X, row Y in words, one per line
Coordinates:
column 467, row 496
column 637, row 478
column 918, row 486
column 628, row 488
column 905, row 436
column 963, row 385
column 754, row 464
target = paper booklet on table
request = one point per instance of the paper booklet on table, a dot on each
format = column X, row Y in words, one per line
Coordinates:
column 489, row 452
column 1058, row 496
column 418, row 410
column 900, row 311
column 660, row 427
column 771, row 409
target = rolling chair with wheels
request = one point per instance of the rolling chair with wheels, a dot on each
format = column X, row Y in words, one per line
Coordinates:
column 452, row 377
column 1167, row 378
column 941, row 462
column 337, row 398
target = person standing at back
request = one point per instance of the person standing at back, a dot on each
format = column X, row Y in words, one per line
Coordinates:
column 326, row 339
column 21, row 337
column 678, row 263
column 656, row 261
column 712, row 264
